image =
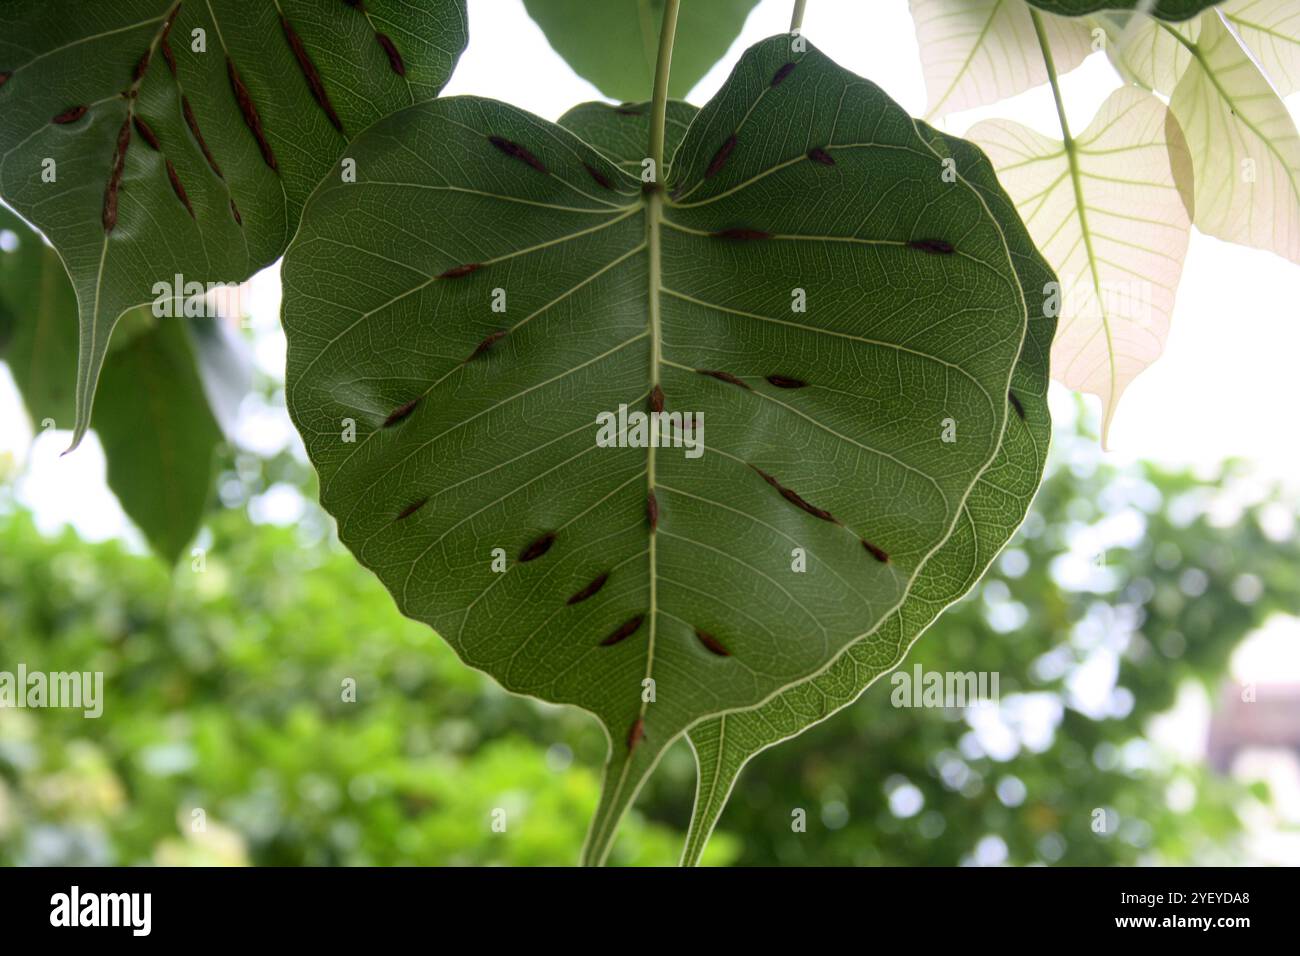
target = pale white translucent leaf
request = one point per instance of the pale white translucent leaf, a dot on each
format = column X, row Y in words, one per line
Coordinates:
column 1271, row 29
column 1145, row 51
column 976, row 52
column 1244, row 146
column 1107, row 215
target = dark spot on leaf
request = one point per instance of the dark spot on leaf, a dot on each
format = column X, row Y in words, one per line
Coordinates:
column 141, row 65
column 623, row 631
column 635, row 734
column 656, row 399
column 877, row 553
column 115, row 176
column 795, row 498
column 193, row 124
column 179, row 188
column 309, row 71
column 935, row 247
column 784, row 381
column 397, row 414
column 168, row 55
column 601, row 179
column 742, row 234
column 630, row 109
column 712, row 643
column 722, row 376
column 411, row 509
column 590, row 589
column 538, row 547
column 782, row 73
column 652, row 510
column 518, row 152
column 147, row 134
column 487, row 343
column 4, row 76
column 70, row 115
column 394, row 57
column 1015, row 403
column 819, row 155
column 249, row 111
column 234, row 211
column 720, row 157
column 456, row 272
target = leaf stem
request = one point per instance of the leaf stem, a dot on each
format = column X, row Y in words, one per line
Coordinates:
column 796, row 18
column 659, row 102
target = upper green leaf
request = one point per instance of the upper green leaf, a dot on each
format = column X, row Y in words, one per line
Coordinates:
column 149, row 138
column 1164, row 9
column 613, row 43
column 811, row 282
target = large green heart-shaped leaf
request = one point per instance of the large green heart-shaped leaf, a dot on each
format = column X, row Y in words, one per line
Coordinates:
column 613, row 44
column 813, row 281
column 1164, row 9
column 996, row 506
column 149, row 138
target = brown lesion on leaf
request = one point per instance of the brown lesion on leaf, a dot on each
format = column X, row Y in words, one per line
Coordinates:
column 310, row 73
column 876, row 552
column 635, row 734
column 178, row 187
column 656, row 399
column 394, row 56
column 603, row 181
column 188, row 112
column 630, row 109
column 109, row 217
column 596, row 584
column 819, row 155
column 652, row 510
column 399, row 413
column 4, row 76
column 785, row 381
column 712, row 643
column 624, row 631
column 458, row 272
column 70, row 115
column 488, row 341
column 741, row 234
column 782, row 72
column 248, row 109
column 537, row 548
column 935, row 247
column 411, row 509
column 722, row 376
column 234, row 211
column 720, row 157
column 513, row 149
column 147, row 134
column 792, row 496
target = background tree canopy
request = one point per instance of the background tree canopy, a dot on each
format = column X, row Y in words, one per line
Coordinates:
column 229, row 700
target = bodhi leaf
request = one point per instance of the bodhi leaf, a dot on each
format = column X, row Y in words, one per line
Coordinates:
column 1164, row 9
column 1107, row 214
column 1271, row 30
column 155, row 421
column 1244, row 145
column 150, row 138
column 613, row 44
column 976, row 53
column 809, row 283
column 38, row 323
column 996, row 506
column 158, row 434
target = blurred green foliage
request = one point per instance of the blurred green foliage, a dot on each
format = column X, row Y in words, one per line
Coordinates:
column 225, row 693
